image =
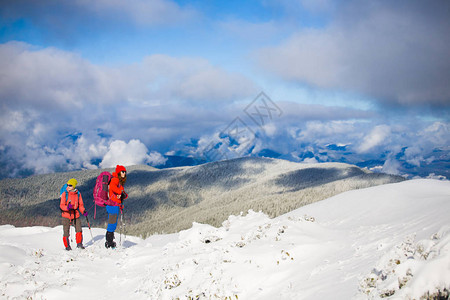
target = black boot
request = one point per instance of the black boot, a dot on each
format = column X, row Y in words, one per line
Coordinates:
column 110, row 240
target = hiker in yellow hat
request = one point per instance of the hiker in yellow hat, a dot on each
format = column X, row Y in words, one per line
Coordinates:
column 71, row 206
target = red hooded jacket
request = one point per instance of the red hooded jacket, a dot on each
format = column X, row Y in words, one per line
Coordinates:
column 115, row 188
column 75, row 200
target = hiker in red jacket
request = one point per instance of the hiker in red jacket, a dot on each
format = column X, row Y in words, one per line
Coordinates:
column 71, row 206
column 115, row 203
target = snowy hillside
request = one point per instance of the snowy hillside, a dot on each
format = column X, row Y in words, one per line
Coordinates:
column 390, row 240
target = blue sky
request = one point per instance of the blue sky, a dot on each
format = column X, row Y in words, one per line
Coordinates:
column 89, row 83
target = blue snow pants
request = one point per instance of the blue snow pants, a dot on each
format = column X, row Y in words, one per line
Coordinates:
column 113, row 216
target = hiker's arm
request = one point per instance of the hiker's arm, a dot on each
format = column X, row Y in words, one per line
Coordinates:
column 114, row 186
column 81, row 205
column 62, row 204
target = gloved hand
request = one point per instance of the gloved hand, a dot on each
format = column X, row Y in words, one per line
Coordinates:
column 85, row 213
column 121, row 206
column 70, row 207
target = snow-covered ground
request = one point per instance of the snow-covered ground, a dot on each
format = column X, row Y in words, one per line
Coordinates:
column 390, row 240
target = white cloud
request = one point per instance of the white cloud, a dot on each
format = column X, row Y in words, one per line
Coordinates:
column 322, row 132
column 391, row 166
column 155, row 159
column 215, row 84
column 132, row 153
column 193, row 79
column 394, row 51
column 375, row 138
column 437, row 133
column 51, row 79
column 311, row 160
column 84, row 150
column 414, row 155
column 47, row 94
column 270, row 129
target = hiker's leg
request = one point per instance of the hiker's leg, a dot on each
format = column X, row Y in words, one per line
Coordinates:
column 79, row 233
column 110, row 240
column 113, row 213
column 66, row 226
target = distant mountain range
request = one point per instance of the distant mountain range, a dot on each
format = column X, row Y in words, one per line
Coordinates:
column 169, row 200
column 437, row 162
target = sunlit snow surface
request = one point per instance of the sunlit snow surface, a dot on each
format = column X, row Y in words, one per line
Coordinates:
column 390, row 240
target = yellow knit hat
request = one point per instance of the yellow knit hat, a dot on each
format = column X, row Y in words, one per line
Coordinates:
column 73, row 182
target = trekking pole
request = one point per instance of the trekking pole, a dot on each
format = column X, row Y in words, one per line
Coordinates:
column 124, row 227
column 124, row 230
column 89, row 225
column 72, row 226
column 120, row 228
column 70, row 233
column 123, row 196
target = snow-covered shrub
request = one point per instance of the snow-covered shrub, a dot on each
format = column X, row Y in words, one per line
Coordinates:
column 412, row 270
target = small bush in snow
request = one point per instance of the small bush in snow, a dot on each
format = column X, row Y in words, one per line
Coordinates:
column 406, row 263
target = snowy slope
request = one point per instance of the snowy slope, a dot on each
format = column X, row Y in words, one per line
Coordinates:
column 360, row 244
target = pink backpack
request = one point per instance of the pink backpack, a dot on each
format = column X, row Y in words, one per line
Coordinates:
column 101, row 190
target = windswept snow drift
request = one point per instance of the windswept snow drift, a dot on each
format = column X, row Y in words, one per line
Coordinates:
column 390, row 240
